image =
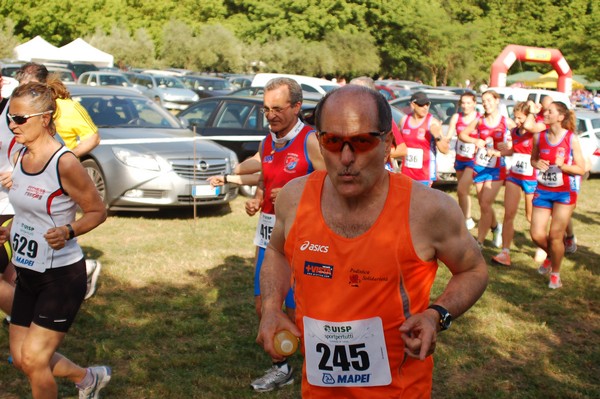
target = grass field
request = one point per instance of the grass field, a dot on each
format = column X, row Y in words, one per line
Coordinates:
column 174, row 315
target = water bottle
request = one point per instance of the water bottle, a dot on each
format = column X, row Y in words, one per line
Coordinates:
column 285, row 343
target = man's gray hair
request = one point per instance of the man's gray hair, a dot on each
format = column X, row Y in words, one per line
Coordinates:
column 293, row 87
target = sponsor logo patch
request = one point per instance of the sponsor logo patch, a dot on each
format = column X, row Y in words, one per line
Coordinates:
column 318, row 270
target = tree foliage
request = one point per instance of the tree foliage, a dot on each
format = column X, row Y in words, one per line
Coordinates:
column 440, row 42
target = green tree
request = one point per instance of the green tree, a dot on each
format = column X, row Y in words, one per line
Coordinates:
column 7, row 39
column 127, row 51
column 177, row 45
column 217, row 49
column 353, row 54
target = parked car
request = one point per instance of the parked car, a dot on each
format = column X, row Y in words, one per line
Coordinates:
column 401, row 84
column 66, row 75
column 248, row 91
column 387, row 92
column 240, row 81
column 10, row 69
column 77, row 67
column 168, row 91
column 588, row 128
column 260, row 91
column 146, row 159
column 104, row 78
column 207, row 86
column 308, row 83
column 234, row 122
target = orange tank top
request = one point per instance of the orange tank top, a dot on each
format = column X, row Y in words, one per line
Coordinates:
column 352, row 295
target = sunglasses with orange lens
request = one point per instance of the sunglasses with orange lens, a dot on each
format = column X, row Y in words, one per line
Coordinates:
column 361, row 142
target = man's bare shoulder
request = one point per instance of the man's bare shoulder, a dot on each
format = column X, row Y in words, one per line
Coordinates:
column 430, row 203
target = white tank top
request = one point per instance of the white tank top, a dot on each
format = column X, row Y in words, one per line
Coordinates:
column 41, row 203
column 8, row 147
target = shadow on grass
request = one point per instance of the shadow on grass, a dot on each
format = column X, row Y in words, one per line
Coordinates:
column 183, row 213
column 171, row 341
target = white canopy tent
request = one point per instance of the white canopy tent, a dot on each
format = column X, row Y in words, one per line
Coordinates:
column 37, row 49
column 80, row 50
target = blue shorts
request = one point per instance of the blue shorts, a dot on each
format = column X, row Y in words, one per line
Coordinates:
column 546, row 199
column 459, row 166
column 260, row 257
column 483, row 174
column 528, row 186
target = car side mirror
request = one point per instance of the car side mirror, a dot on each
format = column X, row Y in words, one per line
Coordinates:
column 185, row 122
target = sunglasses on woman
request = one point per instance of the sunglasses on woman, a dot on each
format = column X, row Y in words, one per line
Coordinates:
column 361, row 142
column 22, row 119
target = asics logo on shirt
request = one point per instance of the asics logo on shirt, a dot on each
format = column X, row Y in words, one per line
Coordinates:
column 314, row 247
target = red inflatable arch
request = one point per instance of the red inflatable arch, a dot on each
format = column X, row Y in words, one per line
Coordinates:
column 512, row 52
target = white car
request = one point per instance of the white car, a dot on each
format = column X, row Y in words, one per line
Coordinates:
column 588, row 128
column 308, row 83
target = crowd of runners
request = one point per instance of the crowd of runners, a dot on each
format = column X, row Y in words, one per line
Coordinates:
column 537, row 154
column 350, row 245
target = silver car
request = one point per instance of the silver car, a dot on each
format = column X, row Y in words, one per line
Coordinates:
column 168, row 91
column 146, row 159
column 104, row 78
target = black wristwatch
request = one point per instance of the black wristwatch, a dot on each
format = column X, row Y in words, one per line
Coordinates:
column 445, row 316
column 438, row 138
column 71, row 232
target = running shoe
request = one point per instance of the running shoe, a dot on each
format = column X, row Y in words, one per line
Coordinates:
column 570, row 245
column 545, row 267
column 101, row 375
column 555, row 281
column 93, row 268
column 503, row 258
column 497, row 232
column 275, row 377
column 470, row 223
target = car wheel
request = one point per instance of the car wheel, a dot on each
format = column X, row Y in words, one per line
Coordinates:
column 248, row 191
column 93, row 170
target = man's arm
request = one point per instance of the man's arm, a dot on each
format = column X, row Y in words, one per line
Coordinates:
column 244, row 173
column 438, row 230
column 276, row 272
column 86, row 145
column 441, row 142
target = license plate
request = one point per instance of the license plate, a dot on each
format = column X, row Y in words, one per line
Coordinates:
column 205, row 190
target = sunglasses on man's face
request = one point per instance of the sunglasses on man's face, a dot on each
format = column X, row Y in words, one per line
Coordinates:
column 361, row 142
column 22, row 119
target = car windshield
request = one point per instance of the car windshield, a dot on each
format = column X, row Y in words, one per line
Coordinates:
column 169, row 81
column 113, row 80
column 125, row 111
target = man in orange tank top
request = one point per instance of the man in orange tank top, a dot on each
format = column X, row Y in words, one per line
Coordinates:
column 360, row 246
